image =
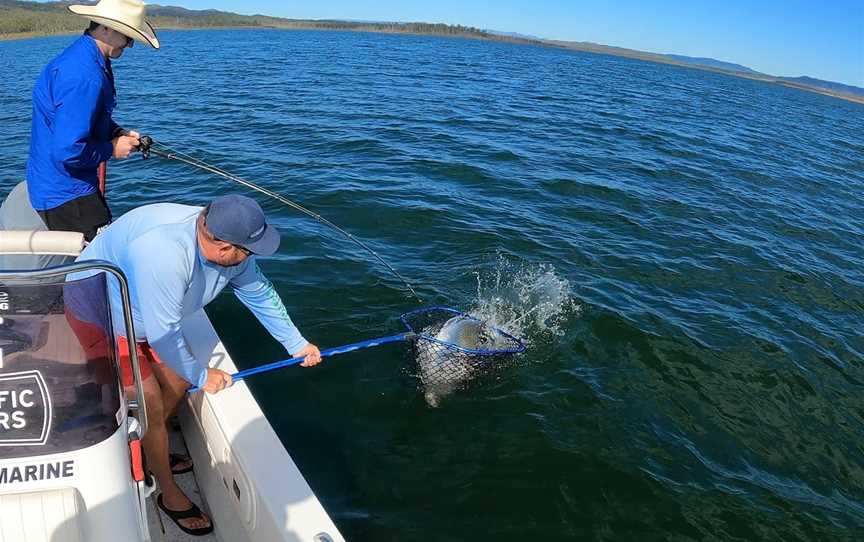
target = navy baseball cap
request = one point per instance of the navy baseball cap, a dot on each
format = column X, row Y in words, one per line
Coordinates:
column 240, row 221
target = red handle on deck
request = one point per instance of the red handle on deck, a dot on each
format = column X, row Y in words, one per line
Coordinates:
column 137, row 460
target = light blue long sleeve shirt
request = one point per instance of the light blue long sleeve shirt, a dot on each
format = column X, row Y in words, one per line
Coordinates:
column 156, row 246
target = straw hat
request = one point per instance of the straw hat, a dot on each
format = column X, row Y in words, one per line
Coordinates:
column 124, row 16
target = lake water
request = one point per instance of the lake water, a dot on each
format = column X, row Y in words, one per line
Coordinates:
column 681, row 249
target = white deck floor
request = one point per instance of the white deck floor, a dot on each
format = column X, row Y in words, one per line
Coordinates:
column 162, row 529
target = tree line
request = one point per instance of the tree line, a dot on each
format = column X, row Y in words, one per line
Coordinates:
column 18, row 17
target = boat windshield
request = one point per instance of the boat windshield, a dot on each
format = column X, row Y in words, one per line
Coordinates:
column 59, row 387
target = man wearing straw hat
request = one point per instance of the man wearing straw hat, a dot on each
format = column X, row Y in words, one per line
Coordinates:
column 72, row 133
column 72, row 130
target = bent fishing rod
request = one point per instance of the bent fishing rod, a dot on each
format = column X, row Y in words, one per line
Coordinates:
column 148, row 146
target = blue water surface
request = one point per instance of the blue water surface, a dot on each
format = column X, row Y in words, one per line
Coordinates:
column 709, row 228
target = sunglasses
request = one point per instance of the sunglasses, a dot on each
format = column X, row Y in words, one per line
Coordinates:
column 244, row 250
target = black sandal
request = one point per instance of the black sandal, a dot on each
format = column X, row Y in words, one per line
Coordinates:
column 193, row 512
column 176, row 459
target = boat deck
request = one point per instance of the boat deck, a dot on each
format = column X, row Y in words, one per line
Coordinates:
column 162, row 529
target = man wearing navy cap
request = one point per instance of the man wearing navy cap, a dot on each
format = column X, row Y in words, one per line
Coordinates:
column 177, row 259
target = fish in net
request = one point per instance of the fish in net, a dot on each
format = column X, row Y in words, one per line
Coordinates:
column 453, row 347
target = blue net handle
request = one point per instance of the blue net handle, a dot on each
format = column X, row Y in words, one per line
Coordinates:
column 240, row 375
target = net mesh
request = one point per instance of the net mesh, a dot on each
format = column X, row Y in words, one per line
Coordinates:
column 452, row 347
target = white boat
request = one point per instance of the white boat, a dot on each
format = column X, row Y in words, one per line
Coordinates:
column 70, row 461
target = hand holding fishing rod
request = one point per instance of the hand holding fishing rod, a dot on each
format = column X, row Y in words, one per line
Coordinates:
column 147, row 146
column 125, row 143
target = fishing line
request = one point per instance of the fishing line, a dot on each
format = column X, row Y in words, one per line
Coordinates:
column 149, row 146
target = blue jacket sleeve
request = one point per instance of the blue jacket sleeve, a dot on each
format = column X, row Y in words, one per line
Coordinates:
column 161, row 288
column 78, row 102
column 115, row 131
column 255, row 291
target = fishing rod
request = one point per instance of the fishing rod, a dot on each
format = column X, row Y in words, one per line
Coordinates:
column 149, row 146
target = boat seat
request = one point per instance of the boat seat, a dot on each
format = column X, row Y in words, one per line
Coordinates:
column 41, row 516
column 60, row 243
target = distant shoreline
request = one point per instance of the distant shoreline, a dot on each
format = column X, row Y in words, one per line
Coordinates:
column 30, row 35
column 571, row 46
column 465, row 35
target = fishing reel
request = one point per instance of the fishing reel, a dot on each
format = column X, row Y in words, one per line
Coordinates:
column 144, row 144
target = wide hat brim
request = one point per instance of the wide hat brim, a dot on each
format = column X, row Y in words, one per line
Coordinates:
column 267, row 244
column 145, row 34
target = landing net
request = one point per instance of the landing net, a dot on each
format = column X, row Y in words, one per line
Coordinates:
column 453, row 346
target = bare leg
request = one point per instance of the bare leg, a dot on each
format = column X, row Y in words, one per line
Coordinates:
column 173, row 390
column 173, row 387
column 156, row 449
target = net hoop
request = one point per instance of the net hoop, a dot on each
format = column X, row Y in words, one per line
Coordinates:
column 410, row 319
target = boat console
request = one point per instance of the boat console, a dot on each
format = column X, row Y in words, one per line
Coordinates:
column 71, row 467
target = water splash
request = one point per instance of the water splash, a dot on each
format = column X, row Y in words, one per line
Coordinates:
column 525, row 300
column 529, row 301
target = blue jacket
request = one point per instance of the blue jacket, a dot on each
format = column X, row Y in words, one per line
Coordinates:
column 72, row 127
column 156, row 246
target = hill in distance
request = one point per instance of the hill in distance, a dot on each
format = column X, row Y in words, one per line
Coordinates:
column 804, row 80
column 828, row 88
column 514, row 35
column 711, row 62
column 839, row 87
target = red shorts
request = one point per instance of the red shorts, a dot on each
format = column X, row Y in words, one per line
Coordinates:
column 146, row 356
column 94, row 341
column 97, row 352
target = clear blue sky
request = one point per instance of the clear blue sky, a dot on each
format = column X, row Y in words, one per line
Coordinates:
column 819, row 38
